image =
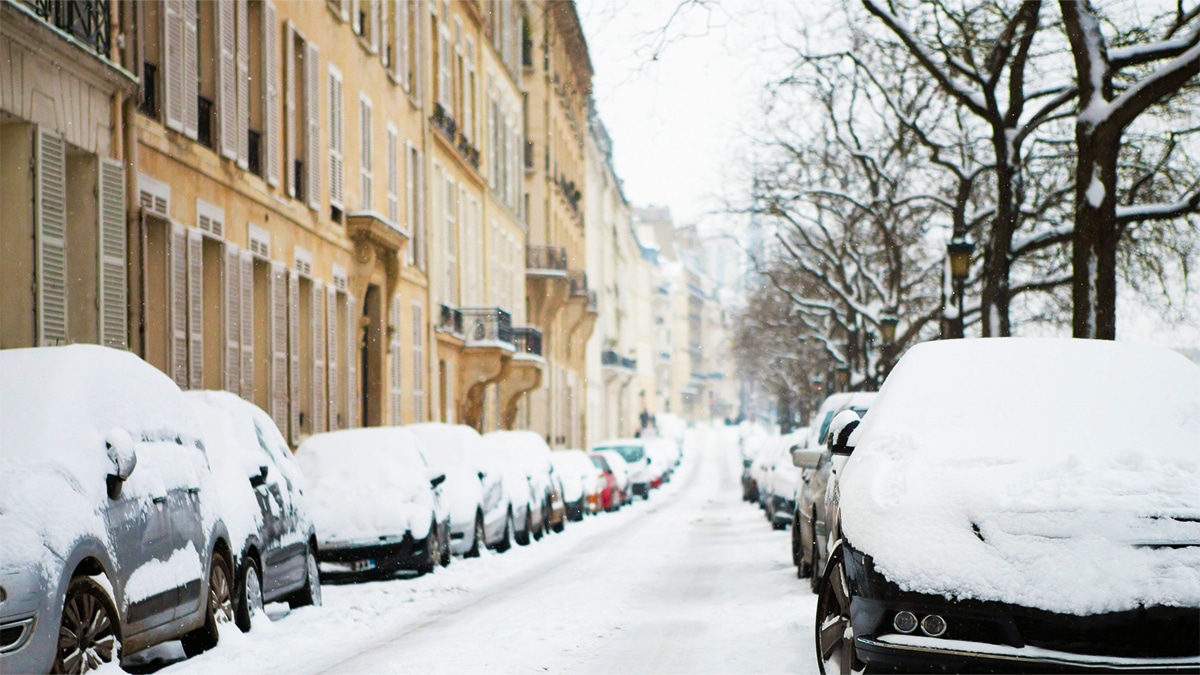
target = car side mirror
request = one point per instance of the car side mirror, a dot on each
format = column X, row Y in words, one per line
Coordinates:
column 119, row 445
column 482, row 475
column 746, row 462
column 647, row 460
column 805, row 459
column 260, row 479
column 437, row 480
column 840, row 430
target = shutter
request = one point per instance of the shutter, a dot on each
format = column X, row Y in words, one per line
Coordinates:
column 227, row 84
column 278, row 320
column 173, row 48
column 113, row 295
column 400, row 51
column 271, row 78
column 351, row 360
column 336, row 130
column 195, row 298
column 289, row 107
column 243, row 84
column 179, row 317
column 393, row 177
column 246, row 261
column 418, row 352
column 344, row 6
column 318, row 357
column 231, row 295
column 312, row 115
column 331, row 346
column 421, row 244
column 394, row 325
column 365, row 173
column 376, row 8
column 355, row 20
column 51, row 239
column 410, row 202
column 190, row 69
column 294, row 356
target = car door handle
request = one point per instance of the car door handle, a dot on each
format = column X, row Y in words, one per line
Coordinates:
column 160, row 500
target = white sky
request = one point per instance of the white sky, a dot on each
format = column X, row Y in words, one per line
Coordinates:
column 680, row 124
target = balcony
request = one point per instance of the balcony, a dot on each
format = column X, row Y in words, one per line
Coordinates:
column 570, row 192
column 527, row 340
column 522, row 373
column 527, row 53
column 443, row 122
column 617, row 367
column 546, row 284
column 580, row 312
column 629, row 363
column 88, row 21
column 486, row 325
column 486, row 357
column 540, row 257
column 450, row 320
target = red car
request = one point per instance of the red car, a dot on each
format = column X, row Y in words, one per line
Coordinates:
column 609, row 496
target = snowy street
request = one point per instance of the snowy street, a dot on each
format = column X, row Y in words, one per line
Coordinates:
column 692, row 580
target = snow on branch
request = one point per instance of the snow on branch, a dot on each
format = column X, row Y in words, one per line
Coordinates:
column 1141, row 212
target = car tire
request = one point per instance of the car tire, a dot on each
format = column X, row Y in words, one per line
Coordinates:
column 480, row 536
column 249, row 595
column 219, row 608
column 445, row 558
column 547, row 517
column 817, row 569
column 431, row 551
column 311, row 593
column 524, row 537
column 89, row 634
column 538, row 531
column 834, row 632
column 803, row 567
column 506, row 540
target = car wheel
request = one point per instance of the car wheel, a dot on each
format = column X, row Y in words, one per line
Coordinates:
column 836, row 652
column 479, row 544
column 249, row 596
column 87, row 636
column 803, row 567
column 431, row 552
column 815, row 556
column 506, row 540
column 219, row 610
column 523, row 537
column 445, row 546
column 538, row 530
column 547, row 517
column 311, row 593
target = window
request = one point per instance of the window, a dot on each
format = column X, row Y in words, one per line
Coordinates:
column 302, row 123
column 365, row 169
column 396, row 361
column 415, row 188
column 393, row 176
column 336, row 140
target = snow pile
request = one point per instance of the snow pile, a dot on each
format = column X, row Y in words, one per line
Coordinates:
column 364, row 483
column 1057, row 474
column 445, row 447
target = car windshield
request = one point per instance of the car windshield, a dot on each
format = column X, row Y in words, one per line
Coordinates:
column 629, row 453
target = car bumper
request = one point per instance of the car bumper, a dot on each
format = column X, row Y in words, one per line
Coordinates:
column 402, row 553
column 921, row 654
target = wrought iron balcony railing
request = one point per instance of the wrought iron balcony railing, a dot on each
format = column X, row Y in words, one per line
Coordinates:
column 487, row 324
column 450, row 320
column 578, row 280
column 527, row 340
column 609, row 357
column 84, row 20
column 541, row 257
column 628, row 363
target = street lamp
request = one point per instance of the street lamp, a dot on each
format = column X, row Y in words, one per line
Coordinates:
column 959, row 251
column 843, row 377
column 887, row 328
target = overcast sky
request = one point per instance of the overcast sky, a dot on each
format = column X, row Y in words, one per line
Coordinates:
column 681, row 105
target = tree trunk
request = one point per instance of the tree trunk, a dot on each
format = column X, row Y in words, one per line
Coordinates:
column 1094, row 252
column 997, row 263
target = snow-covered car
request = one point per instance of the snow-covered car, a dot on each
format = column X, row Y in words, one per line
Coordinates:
column 376, row 502
column 621, row 472
column 664, row 455
column 810, row 518
column 525, row 500
column 749, row 445
column 109, row 542
column 474, row 488
column 261, row 502
column 1019, row 504
column 579, row 478
column 764, row 458
column 633, row 451
column 610, row 497
column 782, row 478
column 531, row 450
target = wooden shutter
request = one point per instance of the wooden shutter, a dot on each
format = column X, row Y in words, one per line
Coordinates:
column 190, row 71
column 231, row 295
column 312, row 115
column 394, row 325
column 410, row 202
column 344, row 7
column 113, row 294
column 173, row 58
column 227, row 84
column 355, row 20
column 351, row 361
column 336, row 131
column 51, row 239
column 179, row 317
column 289, row 107
column 278, row 320
column 400, row 39
column 366, row 174
column 318, row 357
column 418, row 352
column 195, row 297
column 331, row 346
column 376, row 7
column 270, row 61
column 247, row 324
column 243, row 84
column 421, row 220
column 294, row 356
column 393, row 178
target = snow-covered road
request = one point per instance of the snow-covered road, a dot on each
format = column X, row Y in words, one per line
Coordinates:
column 694, row 580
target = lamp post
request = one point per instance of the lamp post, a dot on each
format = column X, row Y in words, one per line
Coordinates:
column 843, row 377
column 887, row 334
column 958, row 251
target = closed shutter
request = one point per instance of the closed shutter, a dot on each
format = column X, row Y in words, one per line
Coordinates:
column 352, row 337
column 376, row 8
column 410, row 202
column 51, row 239
column 189, row 76
column 289, row 108
column 312, row 115
column 195, row 282
column 331, row 346
column 173, row 57
column 278, row 318
column 393, row 177
column 231, row 294
column 366, row 172
column 318, row 357
column 400, row 58
column 113, row 291
column 294, row 356
column 271, row 78
column 418, row 365
column 336, row 129
column 247, row 324
column 227, row 84
column 394, row 325
column 179, row 316
column 421, row 220
column 243, row 84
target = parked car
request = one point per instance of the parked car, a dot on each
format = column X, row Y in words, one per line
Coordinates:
column 750, row 444
column 620, row 470
column 611, row 497
column 766, row 456
column 262, row 504
column 526, row 498
column 811, row 539
column 376, row 502
column 633, row 451
column 109, row 536
column 782, row 477
column 664, row 455
column 579, row 479
column 534, row 454
column 1039, row 514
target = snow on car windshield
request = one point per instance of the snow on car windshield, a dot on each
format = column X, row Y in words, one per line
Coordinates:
column 630, row 453
column 1008, row 460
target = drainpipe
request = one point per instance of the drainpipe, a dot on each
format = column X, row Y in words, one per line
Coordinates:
column 131, row 58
